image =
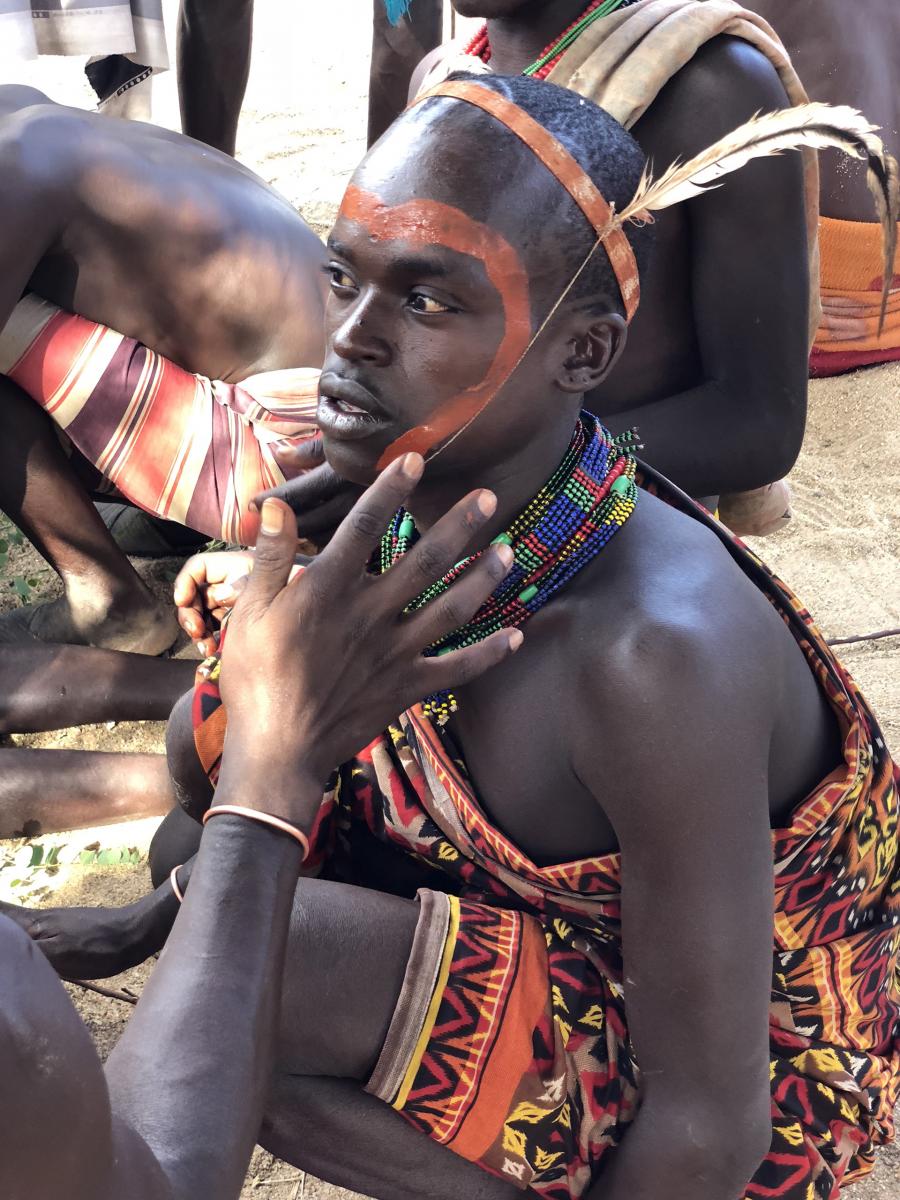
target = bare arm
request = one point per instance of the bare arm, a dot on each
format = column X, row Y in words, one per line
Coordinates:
column 30, row 207
column 697, row 900
column 743, row 426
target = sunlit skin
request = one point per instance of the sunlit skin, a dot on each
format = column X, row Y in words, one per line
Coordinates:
column 170, row 243
column 665, row 712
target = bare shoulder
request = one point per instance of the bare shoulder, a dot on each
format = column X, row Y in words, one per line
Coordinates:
column 690, row 649
column 724, row 84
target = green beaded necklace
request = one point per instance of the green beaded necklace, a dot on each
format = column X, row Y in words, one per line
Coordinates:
column 572, row 34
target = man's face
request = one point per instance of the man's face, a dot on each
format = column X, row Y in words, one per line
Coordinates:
column 429, row 311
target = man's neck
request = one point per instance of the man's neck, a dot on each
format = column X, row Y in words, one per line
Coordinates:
column 514, row 482
column 518, row 40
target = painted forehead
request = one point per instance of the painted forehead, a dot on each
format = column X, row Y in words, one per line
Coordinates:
column 424, row 223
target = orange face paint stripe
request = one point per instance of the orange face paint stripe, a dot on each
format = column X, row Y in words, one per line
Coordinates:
column 567, row 171
column 428, row 223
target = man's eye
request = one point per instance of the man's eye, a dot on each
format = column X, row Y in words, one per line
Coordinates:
column 340, row 278
column 421, row 303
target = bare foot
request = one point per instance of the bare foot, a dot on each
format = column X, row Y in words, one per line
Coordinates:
column 148, row 628
column 757, row 513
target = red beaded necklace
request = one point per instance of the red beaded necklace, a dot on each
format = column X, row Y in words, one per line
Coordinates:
column 480, row 46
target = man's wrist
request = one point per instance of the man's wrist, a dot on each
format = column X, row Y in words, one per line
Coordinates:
column 286, row 788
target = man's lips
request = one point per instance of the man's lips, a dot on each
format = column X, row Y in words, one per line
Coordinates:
column 350, row 398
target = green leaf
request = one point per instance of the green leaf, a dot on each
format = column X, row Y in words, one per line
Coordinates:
column 22, row 589
column 53, row 856
column 37, row 856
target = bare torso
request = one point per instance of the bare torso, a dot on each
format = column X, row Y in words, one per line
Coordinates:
column 165, row 240
column 844, row 55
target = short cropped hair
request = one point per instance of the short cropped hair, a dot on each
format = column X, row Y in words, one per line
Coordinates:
column 608, row 154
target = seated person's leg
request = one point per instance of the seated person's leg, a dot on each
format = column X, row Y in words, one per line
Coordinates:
column 333, row 1031
column 105, row 602
column 45, row 791
column 37, row 692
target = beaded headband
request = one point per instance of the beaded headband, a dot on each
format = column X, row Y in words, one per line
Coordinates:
column 560, row 163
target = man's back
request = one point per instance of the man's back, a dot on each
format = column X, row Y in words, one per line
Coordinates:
column 844, row 55
column 160, row 238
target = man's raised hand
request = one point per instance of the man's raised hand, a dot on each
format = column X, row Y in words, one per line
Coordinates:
column 306, row 703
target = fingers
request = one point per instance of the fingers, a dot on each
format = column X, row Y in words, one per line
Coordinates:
column 448, row 541
column 361, row 530
column 306, row 491
column 300, row 456
column 276, row 545
column 460, row 602
column 455, row 670
column 191, row 575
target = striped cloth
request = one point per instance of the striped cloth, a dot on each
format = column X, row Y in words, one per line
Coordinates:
column 187, row 448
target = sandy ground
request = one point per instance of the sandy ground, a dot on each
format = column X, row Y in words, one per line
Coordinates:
column 303, row 130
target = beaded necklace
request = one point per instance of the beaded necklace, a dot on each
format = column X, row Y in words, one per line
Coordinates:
column 480, row 46
column 586, row 500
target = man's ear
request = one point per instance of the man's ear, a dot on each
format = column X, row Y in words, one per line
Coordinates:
column 592, row 350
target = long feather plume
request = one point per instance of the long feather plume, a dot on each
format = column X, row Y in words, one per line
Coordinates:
column 811, row 126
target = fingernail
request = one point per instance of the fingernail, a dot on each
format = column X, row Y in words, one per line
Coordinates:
column 505, row 554
column 272, row 517
column 486, row 503
column 516, row 638
column 412, row 466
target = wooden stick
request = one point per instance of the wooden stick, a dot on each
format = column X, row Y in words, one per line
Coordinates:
column 110, row 993
column 864, row 637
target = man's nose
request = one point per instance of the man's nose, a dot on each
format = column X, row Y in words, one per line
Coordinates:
column 357, row 338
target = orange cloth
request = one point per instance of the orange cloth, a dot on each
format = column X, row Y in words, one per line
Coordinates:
column 852, row 278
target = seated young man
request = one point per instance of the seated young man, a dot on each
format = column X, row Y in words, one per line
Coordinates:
column 845, row 61
column 173, row 1114
column 715, row 372
column 188, row 255
column 592, row 997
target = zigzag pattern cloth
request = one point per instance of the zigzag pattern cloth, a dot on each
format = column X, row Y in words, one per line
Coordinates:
column 179, row 445
column 510, row 1040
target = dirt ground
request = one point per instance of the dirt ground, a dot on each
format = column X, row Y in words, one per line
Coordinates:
column 303, row 130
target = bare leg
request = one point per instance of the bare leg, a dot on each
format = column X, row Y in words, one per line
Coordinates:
column 396, row 51
column 332, row 1027
column 55, row 687
column 44, row 791
column 215, row 39
column 105, row 602
column 380, row 1155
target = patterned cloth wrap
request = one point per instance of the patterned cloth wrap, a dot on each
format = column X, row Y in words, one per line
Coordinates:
column 510, row 1040
column 179, row 445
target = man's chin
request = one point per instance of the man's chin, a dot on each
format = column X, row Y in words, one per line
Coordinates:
column 355, row 461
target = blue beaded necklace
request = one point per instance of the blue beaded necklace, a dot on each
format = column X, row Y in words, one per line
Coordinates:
column 576, row 513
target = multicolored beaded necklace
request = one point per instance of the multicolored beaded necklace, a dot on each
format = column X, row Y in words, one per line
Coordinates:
column 587, row 499
column 480, row 46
